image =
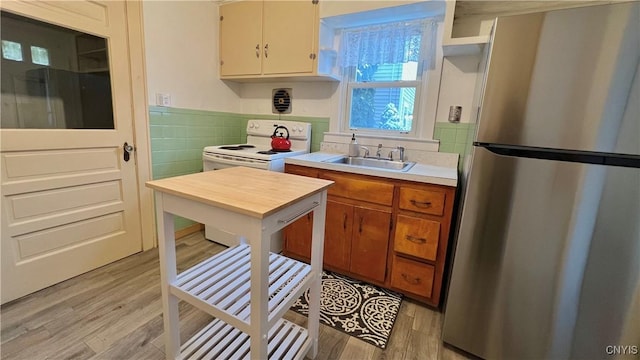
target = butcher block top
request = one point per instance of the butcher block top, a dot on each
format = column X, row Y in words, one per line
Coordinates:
column 254, row 192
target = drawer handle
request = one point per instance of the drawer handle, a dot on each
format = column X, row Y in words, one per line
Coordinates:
column 416, row 240
column 424, row 204
column 410, row 279
column 360, row 229
column 294, row 217
column 344, row 221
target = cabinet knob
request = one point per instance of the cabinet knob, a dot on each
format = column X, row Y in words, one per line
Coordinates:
column 312, row 56
column 257, row 50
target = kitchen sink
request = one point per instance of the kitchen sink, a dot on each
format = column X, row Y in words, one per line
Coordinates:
column 372, row 162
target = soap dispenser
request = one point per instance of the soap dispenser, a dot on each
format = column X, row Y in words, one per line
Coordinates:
column 354, row 148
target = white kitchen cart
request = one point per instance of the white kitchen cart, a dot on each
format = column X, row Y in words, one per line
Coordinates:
column 246, row 288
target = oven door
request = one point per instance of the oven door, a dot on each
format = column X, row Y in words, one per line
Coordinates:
column 217, row 162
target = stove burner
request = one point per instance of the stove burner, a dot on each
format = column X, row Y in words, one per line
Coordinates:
column 280, row 151
column 267, row 152
column 236, row 147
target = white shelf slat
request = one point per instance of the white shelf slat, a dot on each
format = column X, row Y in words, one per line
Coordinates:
column 219, row 340
column 221, row 285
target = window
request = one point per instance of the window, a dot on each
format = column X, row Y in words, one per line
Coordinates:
column 60, row 81
column 11, row 50
column 383, row 65
column 39, row 55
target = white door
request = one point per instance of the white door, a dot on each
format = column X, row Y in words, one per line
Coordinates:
column 69, row 199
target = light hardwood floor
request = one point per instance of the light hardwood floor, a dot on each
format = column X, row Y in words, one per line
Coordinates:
column 114, row 312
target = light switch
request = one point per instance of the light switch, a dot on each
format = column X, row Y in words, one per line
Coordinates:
column 163, row 99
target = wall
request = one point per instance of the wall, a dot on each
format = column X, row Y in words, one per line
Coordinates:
column 181, row 45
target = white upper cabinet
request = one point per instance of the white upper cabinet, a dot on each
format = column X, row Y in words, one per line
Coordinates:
column 269, row 39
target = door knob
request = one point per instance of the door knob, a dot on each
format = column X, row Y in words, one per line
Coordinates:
column 127, row 151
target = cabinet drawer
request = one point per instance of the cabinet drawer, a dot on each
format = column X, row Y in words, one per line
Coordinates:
column 356, row 188
column 417, row 237
column 412, row 276
column 301, row 170
column 422, row 200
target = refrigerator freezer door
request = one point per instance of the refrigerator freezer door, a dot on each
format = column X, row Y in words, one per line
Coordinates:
column 541, row 244
column 562, row 79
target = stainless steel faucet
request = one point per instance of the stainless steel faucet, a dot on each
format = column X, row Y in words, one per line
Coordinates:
column 379, row 150
column 366, row 150
column 399, row 149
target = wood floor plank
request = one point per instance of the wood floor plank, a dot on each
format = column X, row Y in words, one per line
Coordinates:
column 136, row 344
column 357, row 349
column 15, row 348
column 137, row 314
column 77, row 351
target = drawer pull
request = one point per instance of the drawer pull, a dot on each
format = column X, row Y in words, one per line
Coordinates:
column 410, row 279
column 416, row 240
column 422, row 204
column 360, row 229
column 294, row 217
column 344, row 221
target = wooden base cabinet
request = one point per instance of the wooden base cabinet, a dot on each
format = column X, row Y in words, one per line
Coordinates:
column 369, row 243
column 389, row 232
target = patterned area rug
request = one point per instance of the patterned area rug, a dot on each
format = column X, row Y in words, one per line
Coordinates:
column 362, row 310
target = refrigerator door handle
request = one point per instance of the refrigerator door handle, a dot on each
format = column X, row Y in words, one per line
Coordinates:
column 586, row 157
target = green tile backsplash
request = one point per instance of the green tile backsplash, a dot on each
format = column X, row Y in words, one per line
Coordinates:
column 455, row 138
column 179, row 135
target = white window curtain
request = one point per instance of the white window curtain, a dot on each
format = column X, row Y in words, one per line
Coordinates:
column 390, row 43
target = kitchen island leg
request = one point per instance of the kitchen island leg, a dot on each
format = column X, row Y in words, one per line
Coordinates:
column 260, row 243
column 317, row 249
column 168, row 273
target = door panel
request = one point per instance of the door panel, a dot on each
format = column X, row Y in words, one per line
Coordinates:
column 561, row 233
column 290, row 42
column 240, row 40
column 69, row 200
column 546, row 87
column 297, row 237
column 370, row 242
column 337, row 238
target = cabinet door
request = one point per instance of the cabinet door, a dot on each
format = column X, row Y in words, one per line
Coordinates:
column 241, row 38
column 337, row 235
column 297, row 237
column 369, row 243
column 289, row 34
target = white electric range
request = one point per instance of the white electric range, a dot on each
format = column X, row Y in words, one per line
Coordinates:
column 256, row 153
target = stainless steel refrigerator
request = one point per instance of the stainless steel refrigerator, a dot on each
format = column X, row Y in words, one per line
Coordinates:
column 547, row 261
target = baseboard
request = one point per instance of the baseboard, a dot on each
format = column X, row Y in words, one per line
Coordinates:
column 189, row 230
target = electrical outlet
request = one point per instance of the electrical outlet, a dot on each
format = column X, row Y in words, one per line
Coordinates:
column 163, row 99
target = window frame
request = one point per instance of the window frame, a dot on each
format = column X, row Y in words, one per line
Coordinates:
column 421, row 83
column 397, row 84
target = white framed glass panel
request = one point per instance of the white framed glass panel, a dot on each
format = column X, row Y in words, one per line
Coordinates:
column 11, row 50
column 39, row 55
column 63, row 82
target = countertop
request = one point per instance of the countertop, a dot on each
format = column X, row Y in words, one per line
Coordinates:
column 420, row 172
column 254, row 192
